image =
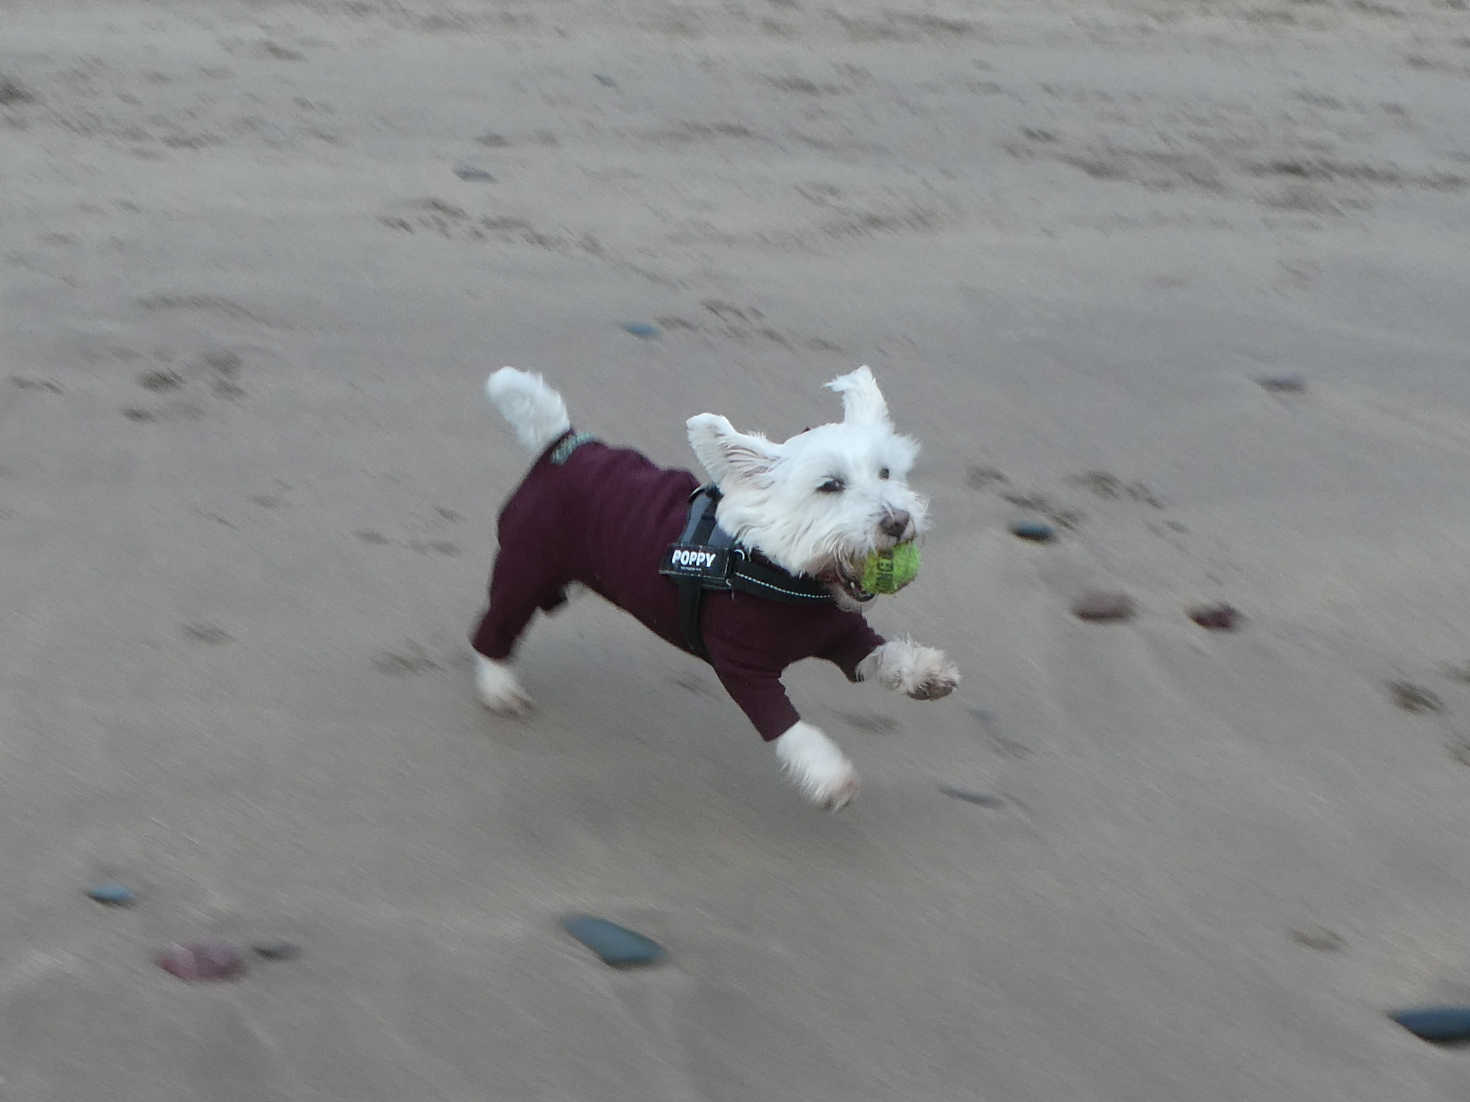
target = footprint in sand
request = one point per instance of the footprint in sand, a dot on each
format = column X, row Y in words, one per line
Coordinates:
column 1112, row 488
column 435, row 547
column 1320, row 938
column 160, row 379
column 693, row 684
column 210, row 634
column 408, row 662
column 870, row 722
column 1414, row 698
column 1000, row 743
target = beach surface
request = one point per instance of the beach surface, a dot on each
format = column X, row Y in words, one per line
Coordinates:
column 1186, row 280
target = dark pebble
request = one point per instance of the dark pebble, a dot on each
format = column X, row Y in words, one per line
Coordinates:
column 1215, row 617
column 474, row 173
column 1283, row 384
column 1034, row 530
column 203, row 960
column 1440, row 1025
column 1102, row 607
column 981, row 798
column 641, row 329
column 276, row 950
column 616, row 945
column 112, row 894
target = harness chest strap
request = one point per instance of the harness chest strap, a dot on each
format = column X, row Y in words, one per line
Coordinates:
column 707, row 557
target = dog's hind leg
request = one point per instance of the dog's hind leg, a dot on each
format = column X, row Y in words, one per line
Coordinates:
column 518, row 588
column 499, row 689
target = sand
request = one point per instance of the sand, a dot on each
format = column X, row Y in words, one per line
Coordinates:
column 255, row 261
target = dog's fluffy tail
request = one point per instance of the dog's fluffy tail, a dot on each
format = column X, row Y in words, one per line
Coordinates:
column 534, row 410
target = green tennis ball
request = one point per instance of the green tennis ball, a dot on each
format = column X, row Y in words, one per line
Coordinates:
column 890, row 571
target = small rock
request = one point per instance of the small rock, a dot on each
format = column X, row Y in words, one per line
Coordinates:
column 276, row 950
column 1414, row 698
column 111, row 893
column 1034, row 530
column 970, row 797
column 1101, row 607
column 1283, row 384
column 641, row 329
column 473, row 173
column 1221, row 617
column 203, row 960
column 1440, row 1025
column 1318, row 937
column 617, row 946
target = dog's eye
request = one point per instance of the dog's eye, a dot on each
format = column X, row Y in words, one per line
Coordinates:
column 832, row 486
column 883, row 473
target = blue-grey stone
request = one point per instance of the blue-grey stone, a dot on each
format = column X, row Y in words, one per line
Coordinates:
column 1440, row 1025
column 616, row 945
column 1034, row 530
column 112, row 894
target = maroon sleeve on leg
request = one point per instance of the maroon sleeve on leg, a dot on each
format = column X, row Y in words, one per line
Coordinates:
column 521, row 583
column 850, row 644
column 761, row 697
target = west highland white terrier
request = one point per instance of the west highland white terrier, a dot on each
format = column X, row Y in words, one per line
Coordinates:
column 760, row 568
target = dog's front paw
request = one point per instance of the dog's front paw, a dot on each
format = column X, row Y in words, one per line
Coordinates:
column 938, row 681
column 817, row 766
column 923, row 673
column 499, row 689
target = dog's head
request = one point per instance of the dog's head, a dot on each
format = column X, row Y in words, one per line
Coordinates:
column 819, row 503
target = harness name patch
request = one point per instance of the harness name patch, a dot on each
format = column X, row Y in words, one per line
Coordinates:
column 690, row 561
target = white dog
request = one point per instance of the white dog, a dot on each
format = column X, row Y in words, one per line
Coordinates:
column 759, row 569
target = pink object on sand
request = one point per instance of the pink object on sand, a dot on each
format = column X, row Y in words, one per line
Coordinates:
column 202, row 960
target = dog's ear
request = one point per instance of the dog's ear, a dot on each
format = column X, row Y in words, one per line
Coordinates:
column 729, row 456
column 862, row 401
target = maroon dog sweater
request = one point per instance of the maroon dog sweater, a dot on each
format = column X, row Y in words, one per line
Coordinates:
column 604, row 517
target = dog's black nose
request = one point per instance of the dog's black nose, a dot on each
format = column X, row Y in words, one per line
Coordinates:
column 895, row 524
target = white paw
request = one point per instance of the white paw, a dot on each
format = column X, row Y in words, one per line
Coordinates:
column 817, row 766
column 923, row 673
column 498, row 688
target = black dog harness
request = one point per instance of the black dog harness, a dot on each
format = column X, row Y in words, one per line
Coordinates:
column 707, row 557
